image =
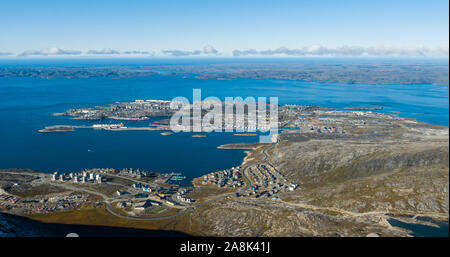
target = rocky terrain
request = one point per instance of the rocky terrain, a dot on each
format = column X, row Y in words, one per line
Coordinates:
column 362, row 71
column 348, row 185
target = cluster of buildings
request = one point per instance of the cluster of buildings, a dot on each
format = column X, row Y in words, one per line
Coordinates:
column 324, row 129
column 9, row 198
column 42, row 204
column 129, row 172
column 85, row 113
column 224, row 178
column 143, row 187
column 142, row 196
column 80, row 177
column 137, row 110
column 109, row 126
column 160, row 192
column 144, row 203
column 319, row 125
column 311, row 119
column 136, row 173
column 181, row 196
column 267, row 182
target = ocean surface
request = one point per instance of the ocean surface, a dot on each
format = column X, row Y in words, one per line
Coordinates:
column 27, row 104
column 419, row 230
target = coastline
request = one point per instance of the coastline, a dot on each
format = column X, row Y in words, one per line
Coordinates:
column 241, row 146
column 102, row 221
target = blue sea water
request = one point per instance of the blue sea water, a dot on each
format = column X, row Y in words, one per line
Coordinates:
column 27, row 104
column 419, row 230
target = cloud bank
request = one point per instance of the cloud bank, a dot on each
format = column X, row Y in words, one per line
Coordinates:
column 134, row 52
column 50, row 51
column 315, row 50
column 207, row 50
column 58, row 51
column 318, row 50
column 105, row 51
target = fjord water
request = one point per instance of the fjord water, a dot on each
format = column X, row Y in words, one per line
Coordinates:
column 27, row 104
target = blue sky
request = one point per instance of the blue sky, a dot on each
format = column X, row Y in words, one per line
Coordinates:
column 189, row 26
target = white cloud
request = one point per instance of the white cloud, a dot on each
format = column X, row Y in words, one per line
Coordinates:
column 179, row 53
column 135, row 52
column 207, row 50
column 313, row 50
column 50, row 51
column 105, row 51
column 318, row 50
column 58, row 51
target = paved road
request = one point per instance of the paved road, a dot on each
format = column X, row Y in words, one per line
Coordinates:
column 105, row 197
column 266, row 158
column 114, row 212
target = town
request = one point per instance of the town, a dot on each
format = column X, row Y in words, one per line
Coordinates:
column 304, row 119
column 137, row 110
column 142, row 194
column 136, row 192
column 266, row 182
column 132, row 192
